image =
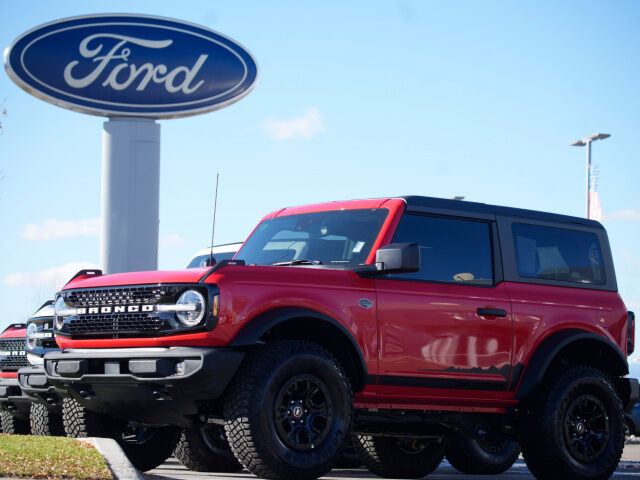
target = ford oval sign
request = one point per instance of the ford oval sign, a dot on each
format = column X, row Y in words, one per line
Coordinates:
column 131, row 65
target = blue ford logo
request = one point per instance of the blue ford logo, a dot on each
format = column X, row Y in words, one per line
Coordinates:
column 131, row 65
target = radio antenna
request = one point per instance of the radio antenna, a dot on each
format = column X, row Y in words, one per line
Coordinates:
column 213, row 227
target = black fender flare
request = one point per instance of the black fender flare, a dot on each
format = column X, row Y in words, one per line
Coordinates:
column 251, row 333
column 552, row 345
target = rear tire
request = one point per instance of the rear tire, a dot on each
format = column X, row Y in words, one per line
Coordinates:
column 348, row 458
column 206, row 450
column 45, row 422
column 288, row 412
column 393, row 457
column 573, row 427
column 13, row 425
column 481, row 457
column 146, row 447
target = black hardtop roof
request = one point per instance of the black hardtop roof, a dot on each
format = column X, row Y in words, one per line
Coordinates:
column 418, row 202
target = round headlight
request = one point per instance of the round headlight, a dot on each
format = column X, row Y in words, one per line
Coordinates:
column 32, row 329
column 61, row 310
column 193, row 314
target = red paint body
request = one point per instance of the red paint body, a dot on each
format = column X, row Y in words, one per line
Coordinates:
column 429, row 332
column 13, row 332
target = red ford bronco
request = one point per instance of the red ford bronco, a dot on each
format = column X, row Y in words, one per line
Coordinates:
column 413, row 323
column 14, row 406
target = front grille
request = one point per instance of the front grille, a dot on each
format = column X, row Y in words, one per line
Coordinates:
column 117, row 296
column 13, row 362
column 115, row 323
column 124, row 311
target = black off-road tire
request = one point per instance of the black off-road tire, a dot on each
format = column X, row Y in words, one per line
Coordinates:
column 573, row 427
column 348, row 458
column 206, row 450
column 393, row 457
column 303, row 441
column 13, row 425
column 82, row 423
column 146, row 447
column 45, row 422
column 481, row 457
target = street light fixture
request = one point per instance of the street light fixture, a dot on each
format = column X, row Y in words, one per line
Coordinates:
column 587, row 141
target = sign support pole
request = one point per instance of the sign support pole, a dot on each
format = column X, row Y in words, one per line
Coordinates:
column 130, row 195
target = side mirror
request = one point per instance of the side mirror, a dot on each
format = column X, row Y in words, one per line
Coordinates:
column 398, row 258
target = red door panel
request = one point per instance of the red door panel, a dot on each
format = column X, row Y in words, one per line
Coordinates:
column 435, row 348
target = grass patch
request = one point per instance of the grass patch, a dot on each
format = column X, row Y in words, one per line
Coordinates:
column 34, row 456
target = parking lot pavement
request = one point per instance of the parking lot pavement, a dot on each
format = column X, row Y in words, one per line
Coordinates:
column 629, row 468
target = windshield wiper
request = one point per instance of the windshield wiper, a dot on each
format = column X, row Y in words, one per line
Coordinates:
column 300, row 261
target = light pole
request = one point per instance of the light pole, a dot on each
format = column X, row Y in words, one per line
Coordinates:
column 587, row 141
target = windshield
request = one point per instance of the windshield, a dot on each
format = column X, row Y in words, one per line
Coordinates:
column 339, row 237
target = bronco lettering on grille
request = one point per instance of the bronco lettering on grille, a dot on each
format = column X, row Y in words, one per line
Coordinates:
column 114, row 309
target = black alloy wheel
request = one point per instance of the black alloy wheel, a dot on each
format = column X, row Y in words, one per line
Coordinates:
column 586, row 428
column 303, row 412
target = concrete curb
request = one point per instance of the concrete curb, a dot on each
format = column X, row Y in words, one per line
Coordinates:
column 117, row 461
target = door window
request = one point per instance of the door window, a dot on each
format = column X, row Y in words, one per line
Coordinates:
column 451, row 250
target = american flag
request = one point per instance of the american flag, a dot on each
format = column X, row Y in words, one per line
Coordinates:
column 595, row 210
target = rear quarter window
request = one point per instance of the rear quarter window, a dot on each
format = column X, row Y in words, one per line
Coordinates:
column 558, row 254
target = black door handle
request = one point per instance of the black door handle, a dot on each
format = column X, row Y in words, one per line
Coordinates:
column 492, row 312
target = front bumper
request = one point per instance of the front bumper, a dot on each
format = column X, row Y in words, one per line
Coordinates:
column 34, row 384
column 13, row 399
column 153, row 386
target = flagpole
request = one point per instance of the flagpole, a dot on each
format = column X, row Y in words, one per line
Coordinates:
column 588, row 176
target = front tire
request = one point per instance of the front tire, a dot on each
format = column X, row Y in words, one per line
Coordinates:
column 574, row 428
column 45, row 422
column 14, row 425
column 146, row 447
column 393, row 457
column 481, row 457
column 288, row 412
column 206, row 450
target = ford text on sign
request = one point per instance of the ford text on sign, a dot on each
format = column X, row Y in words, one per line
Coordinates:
column 131, row 65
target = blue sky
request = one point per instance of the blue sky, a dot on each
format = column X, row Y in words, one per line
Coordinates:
column 355, row 99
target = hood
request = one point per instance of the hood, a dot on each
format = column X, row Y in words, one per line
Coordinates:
column 15, row 331
column 191, row 275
